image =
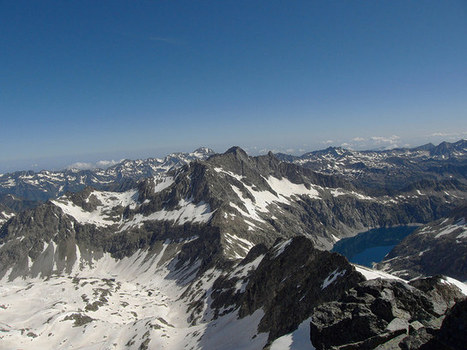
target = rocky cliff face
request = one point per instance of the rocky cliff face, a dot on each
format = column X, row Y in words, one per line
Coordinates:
column 438, row 247
column 452, row 333
column 286, row 282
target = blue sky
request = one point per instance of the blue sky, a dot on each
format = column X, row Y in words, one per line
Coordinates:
column 90, row 80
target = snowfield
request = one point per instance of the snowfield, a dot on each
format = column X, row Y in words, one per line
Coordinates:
column 139, row 302
column 133, row 303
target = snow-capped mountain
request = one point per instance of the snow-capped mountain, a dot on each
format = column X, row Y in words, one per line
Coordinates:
column 241, row 200
column 439, row 247
column 43, row 185
column 389, row 169
column 217, row 253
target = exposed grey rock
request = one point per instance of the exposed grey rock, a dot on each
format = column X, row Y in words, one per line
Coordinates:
column 453, row 333
column 383, row 314
column 285, row 274
column 292, row 278
column 232, row 188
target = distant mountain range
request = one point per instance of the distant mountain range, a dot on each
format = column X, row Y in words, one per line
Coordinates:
column 389, row 169
column 43, row 185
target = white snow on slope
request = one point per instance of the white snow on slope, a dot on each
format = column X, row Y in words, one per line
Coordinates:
column 459, row 227
column 297, row 340
column 332, row 277
column 236, row 176
column 139, row 300
column 102, row 215
column 162, row 182
column 285, row 190
column 129, row 302
column 281, row 247
column 462, row 286
column 336, row 192
column 234, row 241
column 450, row 229
column 4, row 217
column 231, row 333
column 371, row 274
column 187, row 212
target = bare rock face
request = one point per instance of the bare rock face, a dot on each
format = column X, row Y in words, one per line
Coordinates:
column 383, row 312
column 288, row 285
column 453, row 333
column 286, row 281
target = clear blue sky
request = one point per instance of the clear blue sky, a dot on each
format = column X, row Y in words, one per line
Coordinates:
column 84, row 80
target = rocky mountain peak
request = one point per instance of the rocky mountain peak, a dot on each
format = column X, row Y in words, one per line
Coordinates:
column 237, row 152
column 425, row 147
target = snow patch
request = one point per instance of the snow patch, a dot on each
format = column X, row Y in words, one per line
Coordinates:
column 187, row 212
column 287, row 189
column 332, row 277
column 162, row 182
column 102, row 216
column 462, row 286
column 281, row 247
column 297, row 340
column 371, row 274
column 336, row 192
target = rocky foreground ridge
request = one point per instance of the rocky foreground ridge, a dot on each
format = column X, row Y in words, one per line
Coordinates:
column 384, row 313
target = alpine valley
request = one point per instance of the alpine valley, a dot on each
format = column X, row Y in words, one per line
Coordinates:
column 227, row 251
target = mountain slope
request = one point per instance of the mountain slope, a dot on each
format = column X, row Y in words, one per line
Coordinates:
column 148, row 300
column 438, row 247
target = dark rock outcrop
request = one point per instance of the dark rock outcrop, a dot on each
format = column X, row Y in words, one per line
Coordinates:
column 453, row 333
column 291, row 278
column 388, row 312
